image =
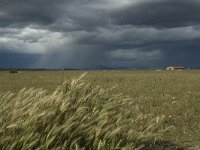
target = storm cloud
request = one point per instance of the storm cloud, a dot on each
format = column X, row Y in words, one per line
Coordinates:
column 99, row 33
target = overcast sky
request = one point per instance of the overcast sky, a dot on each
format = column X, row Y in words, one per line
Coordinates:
column 99, row 33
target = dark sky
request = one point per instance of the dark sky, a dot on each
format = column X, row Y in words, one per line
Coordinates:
column 99, row 33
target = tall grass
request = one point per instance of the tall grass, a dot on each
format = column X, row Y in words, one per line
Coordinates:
column 76, row 115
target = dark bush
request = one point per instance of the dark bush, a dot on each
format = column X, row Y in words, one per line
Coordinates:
column 13, row 71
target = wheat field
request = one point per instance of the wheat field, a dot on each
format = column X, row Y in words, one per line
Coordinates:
column 117, row 109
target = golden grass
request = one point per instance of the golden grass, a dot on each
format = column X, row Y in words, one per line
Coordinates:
column 76, row 115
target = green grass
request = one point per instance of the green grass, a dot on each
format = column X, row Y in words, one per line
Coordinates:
column 172, row 94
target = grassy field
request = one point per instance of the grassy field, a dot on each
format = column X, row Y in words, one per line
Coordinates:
column 174, row 95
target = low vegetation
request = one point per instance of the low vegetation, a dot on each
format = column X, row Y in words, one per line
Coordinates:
column 76, row 115
column 13, row 71
column 171, row 97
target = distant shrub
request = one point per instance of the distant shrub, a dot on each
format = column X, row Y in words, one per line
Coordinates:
column 77, row 115
column 13, row 71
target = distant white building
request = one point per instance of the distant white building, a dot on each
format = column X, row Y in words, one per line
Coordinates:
column 175, row 68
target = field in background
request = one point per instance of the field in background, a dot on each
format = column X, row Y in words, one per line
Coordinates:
column 175, row 94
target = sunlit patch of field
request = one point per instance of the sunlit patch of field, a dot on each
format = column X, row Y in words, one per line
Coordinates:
column 171, row 95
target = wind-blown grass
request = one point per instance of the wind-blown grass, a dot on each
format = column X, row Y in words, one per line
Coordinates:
column 76, row 115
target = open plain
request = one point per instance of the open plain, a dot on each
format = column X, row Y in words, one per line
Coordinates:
column 170, row 96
